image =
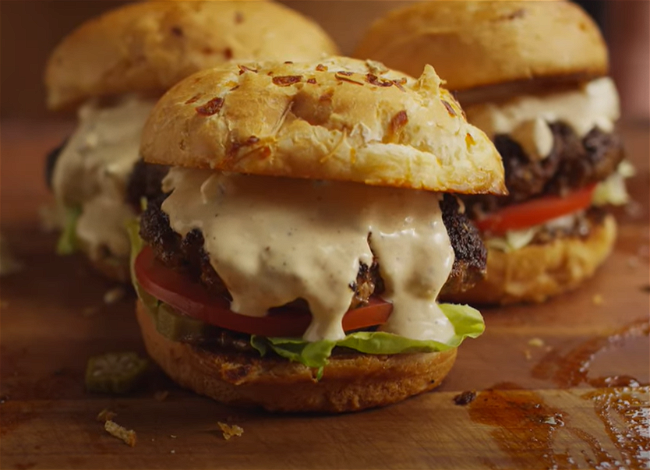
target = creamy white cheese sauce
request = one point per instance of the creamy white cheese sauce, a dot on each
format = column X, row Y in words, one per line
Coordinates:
column 526, row 118
column 93, row 169
column 275, row 240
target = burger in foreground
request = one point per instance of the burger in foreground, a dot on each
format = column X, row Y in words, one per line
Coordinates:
column 307, row 228
column 115, row 68
column 532, row 75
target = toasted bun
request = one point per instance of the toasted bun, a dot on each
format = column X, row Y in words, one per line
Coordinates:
column 350, row 382
column 479, row 43
column 148, row 47
column 337, row 119
column 536, row 272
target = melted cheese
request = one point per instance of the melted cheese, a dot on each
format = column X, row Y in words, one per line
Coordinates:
column 93, row 169
column 275, row 240
column 525, row 118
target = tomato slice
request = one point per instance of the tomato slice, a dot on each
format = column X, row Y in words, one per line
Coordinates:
column 535, row 212
column 195, row 301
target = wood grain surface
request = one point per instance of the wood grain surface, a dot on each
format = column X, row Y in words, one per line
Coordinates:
column 560, row 385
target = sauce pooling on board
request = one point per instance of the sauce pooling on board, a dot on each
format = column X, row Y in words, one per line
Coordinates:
column 274, row 240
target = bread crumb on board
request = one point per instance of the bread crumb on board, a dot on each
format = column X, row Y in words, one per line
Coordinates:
column 106, row 415
column 114, row 295
column 90, row 311
column 9, row 263
column 597, row 299
column 536, row 342
column 128, row 436
column 465, row 398
column 230, row 431
column 161, row 395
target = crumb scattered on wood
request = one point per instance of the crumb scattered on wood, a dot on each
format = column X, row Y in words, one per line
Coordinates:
column 114, row 295
column 633, row 262
column 9, row 263
column 597, row 299
column 172, row 451
column 106, row 415
column 536, row 342
column 161, row 395
column 465, row 398
column 172, row 436
column 527, row 354
column 128, row 436
column 230, row 431
column 89, row 311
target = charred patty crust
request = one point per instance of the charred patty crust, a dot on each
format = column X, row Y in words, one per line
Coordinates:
column 188, row 256
column 573, row 164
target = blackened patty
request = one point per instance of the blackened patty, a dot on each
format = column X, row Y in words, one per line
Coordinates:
column 187, row 254
column 573, row 164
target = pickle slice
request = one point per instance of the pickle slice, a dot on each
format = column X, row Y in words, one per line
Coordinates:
column 177, row 327
column 114, row 372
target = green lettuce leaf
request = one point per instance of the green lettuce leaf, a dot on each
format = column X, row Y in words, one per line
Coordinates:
column 67, row 243
column 467, row 323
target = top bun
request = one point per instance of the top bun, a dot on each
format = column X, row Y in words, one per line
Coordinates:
column 337, row 119
column 148, row 47
column 480, row 43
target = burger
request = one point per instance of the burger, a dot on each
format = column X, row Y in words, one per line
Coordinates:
column 112, row 69
column 308, row 223
column 533, row 76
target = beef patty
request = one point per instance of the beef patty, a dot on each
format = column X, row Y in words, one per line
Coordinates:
column 187, row 254
column 573, row 164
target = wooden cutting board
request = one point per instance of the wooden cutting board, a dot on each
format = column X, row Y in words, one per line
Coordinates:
column 560, row 385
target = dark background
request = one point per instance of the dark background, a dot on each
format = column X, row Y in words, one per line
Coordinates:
column 30, row 29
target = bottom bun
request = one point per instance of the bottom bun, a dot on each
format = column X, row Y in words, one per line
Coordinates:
column 350, row 382
column 536, row 272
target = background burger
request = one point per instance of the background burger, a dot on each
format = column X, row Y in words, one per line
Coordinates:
column 113, row 69
column 308, row 225
column 533, row 76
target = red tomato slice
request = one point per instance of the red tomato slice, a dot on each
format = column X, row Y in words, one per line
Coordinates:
column 195, row 301
column 535, row 212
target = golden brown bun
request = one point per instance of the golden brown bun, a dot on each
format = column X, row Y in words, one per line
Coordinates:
column 536, row 272
column 148, row 47
column 478, row 43
column 334, row 119
column 350, row 383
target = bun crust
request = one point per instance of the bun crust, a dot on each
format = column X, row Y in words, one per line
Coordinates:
column 148, row 47
column 349, row 383
column 336, row 119
column 480, row 43
column 536, row 272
